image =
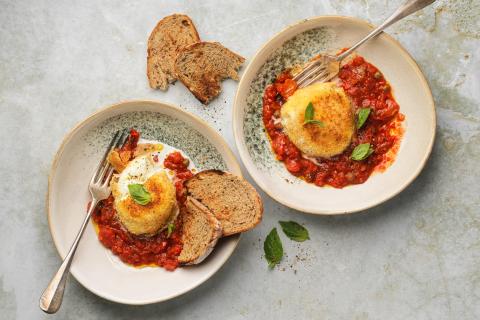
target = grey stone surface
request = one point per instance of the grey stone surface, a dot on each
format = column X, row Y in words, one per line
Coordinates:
column 414, row 257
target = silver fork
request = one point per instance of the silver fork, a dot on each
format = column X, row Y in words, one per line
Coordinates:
column 326, row 67
column 52, row 297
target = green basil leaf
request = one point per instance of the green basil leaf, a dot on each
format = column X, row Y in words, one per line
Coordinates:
column 317, row 122
column 273, row 248
column 309, row 112
column 294, row 231
column 170, row 229
column 362, row 117
column 139, row 194
column 361, row 152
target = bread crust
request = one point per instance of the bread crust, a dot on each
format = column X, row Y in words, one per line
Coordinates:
column 210, row 82
column 258, row 200
column 151, row 57
column 216, row 233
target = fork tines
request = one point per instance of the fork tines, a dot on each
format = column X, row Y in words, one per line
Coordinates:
column 117, row 141
column 314, row 71
column 301, row 75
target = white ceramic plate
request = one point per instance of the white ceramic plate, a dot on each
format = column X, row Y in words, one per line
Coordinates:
column 94, row 266
column 297, row 44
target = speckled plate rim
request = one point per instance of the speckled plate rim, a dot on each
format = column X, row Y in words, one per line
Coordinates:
column 161, row 105
column 238, row 123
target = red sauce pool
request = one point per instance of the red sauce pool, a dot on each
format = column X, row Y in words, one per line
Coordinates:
column 158, row 250
column 366, row 87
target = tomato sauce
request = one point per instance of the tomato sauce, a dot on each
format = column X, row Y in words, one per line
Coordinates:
column 366, row 87
column 158, row 250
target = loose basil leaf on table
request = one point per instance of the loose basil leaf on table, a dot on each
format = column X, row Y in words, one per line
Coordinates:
column 273, row 248
column 294, row 231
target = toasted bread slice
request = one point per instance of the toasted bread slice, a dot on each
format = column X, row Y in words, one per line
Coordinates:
column 202, row 66
column 170, row 35
column 201, row 230
column 233, row 201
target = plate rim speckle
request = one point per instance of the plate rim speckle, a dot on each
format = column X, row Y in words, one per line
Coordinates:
column 219, row 142
column 238, row 109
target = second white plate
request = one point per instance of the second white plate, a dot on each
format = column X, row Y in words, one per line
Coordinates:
column 298, row 44
column 94, row 266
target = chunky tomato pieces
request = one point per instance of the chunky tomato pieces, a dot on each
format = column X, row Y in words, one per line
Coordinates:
column 160, row 249
column 132, row 141
column 367, row 88
column 157, row 250
column 176, row 162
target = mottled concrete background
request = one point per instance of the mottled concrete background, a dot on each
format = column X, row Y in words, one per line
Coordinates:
column 414, row 257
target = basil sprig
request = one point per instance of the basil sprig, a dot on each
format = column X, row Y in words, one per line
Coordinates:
column 361, row 152
column 294, row 231
column 309, row 113
column 362, row 117
column 139, row 194
column 273, row 248
column 170, row 229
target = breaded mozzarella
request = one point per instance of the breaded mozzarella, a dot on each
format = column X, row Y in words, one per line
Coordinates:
column 332, row 107
column 150, row 218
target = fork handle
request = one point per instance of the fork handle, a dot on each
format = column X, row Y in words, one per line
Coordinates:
column 409, row 7
column 52, row 297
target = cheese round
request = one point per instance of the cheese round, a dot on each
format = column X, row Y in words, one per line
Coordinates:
column 150, row 218
column 332, row 107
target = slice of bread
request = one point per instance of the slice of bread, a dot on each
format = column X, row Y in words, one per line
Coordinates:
column 233, row 201
column 171, row 34
column 201, row 230
column 202, row 66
